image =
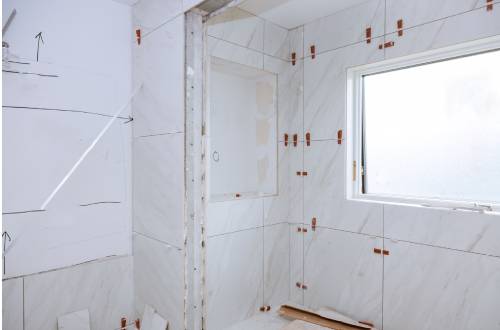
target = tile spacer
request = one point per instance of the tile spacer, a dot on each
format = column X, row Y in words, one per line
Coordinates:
column 138, row 36
column 313, row 224
column 304, row 173
column 400, row 27
column 313, row 51
column 299, row 173
column 368, row 34
column 265, row 308
column 123, row 323
column 308, row 139
column 137, row 324
column 299, row 229
column 388, row 44
column 237, row 195
column 377, row 251
column 489, row 6
column 385, row 252
column 294, row 58
column 286, row 139
column 301, row 285
column 295, row 140
column 339, row 136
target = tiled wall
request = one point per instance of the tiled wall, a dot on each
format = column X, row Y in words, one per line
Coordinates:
column 247, row 254
column 158, row 159
column 443, row 269
column 104, row 287
column 444, row 266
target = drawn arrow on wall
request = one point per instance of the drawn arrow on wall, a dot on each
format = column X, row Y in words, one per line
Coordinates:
column 39, row 37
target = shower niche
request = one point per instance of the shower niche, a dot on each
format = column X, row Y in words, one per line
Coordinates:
column 242, row 131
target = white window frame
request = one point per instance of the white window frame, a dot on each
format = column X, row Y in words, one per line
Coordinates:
column 354, row 117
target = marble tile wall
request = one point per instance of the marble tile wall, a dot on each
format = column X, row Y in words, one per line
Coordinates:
column 158, row 158
column 12, row 304
column 159, row 279
column 428, row 280
column 248, row 258
column 104, row 287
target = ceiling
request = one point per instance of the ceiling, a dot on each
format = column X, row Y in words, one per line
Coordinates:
column 292, row 13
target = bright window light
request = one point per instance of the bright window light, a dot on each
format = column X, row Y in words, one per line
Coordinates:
column 433, row 130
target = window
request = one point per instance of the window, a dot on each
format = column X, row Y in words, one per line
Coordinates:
column 427, row 127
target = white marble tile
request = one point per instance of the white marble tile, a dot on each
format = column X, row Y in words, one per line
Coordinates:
column 230, row 216
column 12, row 304
column 462, row 230
column 424, row 11
column 276, row 265
column 433, row 288
column 350, row 277
column 296, row 263
column 63, row 236
column 296, row 37
column 159, row 187
column 324, row 192
column 159, row 66
column 79, row 320
column 159, row 279
column 238, row 27
column 234, row 277
column 290, row 95
column 56, row 141
column 148, row 15
column 276, row 41
column 287, row 206
column 473, row 25
column 325, row 87
column 345, row 27
column 234, row 53
column 103, row 287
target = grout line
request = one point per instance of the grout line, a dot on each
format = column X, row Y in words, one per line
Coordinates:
column 158, row 134
column 441, row 18
column 249, row 228
column 250, row 49
column 158, row 240
column 383, row 263
column 98, row 260
column 410, row 242
column 444, row 248
column 24, row 309
column 160, row 25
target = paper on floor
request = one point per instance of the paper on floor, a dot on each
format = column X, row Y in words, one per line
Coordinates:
column 79, row 320
column 151, row 320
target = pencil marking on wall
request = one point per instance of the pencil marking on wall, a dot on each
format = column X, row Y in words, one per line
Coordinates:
column 129, row 118
column 38, row 37
column 32, row 73
column 22, row 212
column 103, row 202
column 89, row 149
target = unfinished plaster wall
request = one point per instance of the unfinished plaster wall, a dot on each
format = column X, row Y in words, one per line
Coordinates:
column 443, row 270
column 81, row 78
